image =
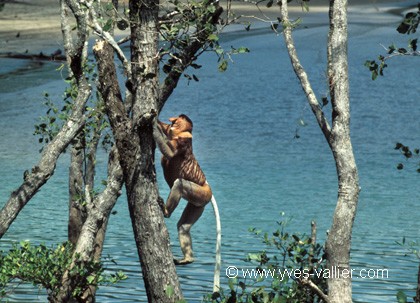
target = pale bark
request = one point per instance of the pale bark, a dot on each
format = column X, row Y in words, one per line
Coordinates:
column 41, row 172
column 91, row 234
column 77, row 209
column 301, row 73
column 338, row 137
column 88, row 216
column 417, row 297
column 44, row 169
column 339, row 238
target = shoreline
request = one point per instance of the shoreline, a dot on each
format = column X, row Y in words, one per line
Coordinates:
column 34, row 27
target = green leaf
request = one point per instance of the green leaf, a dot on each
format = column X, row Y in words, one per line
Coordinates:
column 243, row 50
column 401, row 297
column 403, row 28
column 223, row 66
column 169, row 291
column 211, row 9
column 108, row 25
column 195, row 66
column 232, row 283
column 90, row 279
column 413, row 44
column 213, row 37
column 391, row 49
column 398, row 145
column 254, row 257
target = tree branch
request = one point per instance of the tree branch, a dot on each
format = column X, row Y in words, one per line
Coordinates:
column 98, row 213
column 107, row 37
column 186, row 57
column 301, row 74
column 316, row 289
column 41, row 172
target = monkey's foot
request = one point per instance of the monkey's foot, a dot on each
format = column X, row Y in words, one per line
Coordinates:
column 184, row 261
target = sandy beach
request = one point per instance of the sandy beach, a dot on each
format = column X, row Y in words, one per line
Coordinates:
column 32, row 26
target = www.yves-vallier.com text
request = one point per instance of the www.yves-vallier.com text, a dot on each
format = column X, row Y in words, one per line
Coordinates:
column 326, row 273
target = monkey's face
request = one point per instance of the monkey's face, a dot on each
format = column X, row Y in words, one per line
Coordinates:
column 179, row 125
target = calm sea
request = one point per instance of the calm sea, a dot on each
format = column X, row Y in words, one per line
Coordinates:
column 246, row 121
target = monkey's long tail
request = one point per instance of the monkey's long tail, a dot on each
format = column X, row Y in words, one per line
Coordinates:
column 216, row 283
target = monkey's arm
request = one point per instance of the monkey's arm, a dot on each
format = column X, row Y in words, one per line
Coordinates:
column 162, row 141
column 164, row 127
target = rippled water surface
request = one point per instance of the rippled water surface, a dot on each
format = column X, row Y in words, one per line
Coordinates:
column 245, row 123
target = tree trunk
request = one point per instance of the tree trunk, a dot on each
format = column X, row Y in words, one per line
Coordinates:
column 90, row 241
column 338, row 137
column 77, row 209
column 339, row 238
column 149, row 227
column 417, row 297
column 135, row 144
column 88, row 216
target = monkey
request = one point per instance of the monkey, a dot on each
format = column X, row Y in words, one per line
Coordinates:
column 186, row 180
column 184, row 176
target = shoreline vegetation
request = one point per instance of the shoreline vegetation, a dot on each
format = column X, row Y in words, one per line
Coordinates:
column 30, row 29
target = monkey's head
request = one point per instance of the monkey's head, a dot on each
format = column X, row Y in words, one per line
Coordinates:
column 180, row 125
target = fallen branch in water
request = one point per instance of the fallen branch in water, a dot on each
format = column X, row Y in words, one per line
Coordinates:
column 55, row 56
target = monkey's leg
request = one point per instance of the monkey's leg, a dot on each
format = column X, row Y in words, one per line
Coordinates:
column 199, row 195
column 190, row 215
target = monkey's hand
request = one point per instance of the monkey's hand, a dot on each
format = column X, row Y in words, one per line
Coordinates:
column 147, row 118
column 162, row 206
column 161, row 203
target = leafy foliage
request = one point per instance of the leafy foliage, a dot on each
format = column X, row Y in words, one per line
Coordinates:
column 186, row 23
column 58, row 113
column 408, row 153
column 44, row 267
column 410, row 23
column 413, row 248
column 408, row 26
column 401, row 297
column 276, row 272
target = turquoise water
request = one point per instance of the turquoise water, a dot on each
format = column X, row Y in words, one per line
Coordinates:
column 245, row 123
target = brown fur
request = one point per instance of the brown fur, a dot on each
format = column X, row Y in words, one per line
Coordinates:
column 183, row 164
column 184, row 176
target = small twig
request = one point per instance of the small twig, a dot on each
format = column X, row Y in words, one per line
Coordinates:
column 168, row 16
column 123, row 40
column 316, row 289
column 107, row 36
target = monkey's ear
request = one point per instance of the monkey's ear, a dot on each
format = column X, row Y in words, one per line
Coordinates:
column 173, row 119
